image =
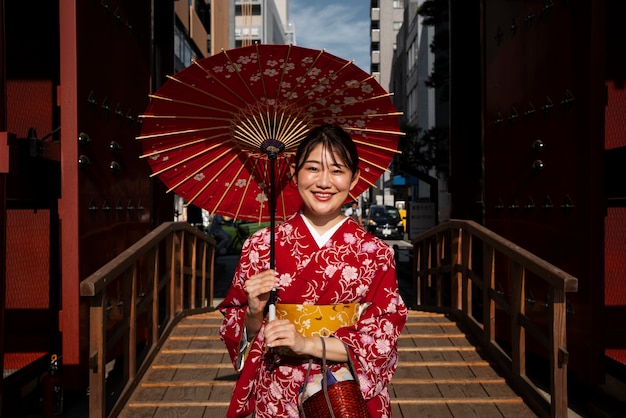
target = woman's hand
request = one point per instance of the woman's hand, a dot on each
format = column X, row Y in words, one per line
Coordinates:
column 257, row 289
column 282, row 333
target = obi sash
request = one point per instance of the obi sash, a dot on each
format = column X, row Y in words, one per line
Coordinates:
column 319, row 320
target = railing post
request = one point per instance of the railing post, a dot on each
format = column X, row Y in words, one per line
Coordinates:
column 489, row 306
column 437, row 264
column 179, row 283
column 558, row 354
column 418, row 251
column 456, row 260
column 209, row 254
column 132, row 326
column 171, row 283
column 97, row 356
column 467, row 265
column 155, row 296
column 518, row 333
column 193, row 252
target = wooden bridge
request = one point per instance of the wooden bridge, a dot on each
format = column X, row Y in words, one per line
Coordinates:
column 174, row 364
column 440, row 374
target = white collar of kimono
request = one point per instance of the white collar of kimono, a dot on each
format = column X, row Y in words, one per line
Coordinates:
column 321, row 239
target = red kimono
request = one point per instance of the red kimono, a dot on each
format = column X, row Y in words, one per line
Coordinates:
column 353, row 266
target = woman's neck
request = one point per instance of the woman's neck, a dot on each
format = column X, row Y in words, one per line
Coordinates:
column 323, row 223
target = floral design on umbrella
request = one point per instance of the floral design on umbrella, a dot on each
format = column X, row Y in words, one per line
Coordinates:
column 223, row 132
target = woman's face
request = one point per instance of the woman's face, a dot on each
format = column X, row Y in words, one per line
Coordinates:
column 323, row 184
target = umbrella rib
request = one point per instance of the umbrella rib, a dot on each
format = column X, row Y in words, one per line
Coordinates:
column 245, row 191
column 258, row 54
column 373, row 164
column 334, row 92
column 189, row 176
column 201, row 106
column 179, row 146
column 376, row 131
column 183, row 117
column 206, row 93
column 308, row 71
column 291, row 135
column 263, row 127
column 244, row 82
column 282, row 75
column 372, row 145
column 272, row 127
column 221, row 83
column 203, row 188
column 282, row 195
column 169, row 167
column 230, row 185
column 343, row 105
column 188, row 131
column 356, row 116
column 255, row 132
column 300, row 80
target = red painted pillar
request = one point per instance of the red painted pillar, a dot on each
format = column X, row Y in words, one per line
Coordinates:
column 69, row 317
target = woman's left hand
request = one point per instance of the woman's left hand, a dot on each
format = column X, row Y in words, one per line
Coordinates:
column 282, row 333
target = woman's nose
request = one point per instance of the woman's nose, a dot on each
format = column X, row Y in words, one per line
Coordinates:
column 323, row 180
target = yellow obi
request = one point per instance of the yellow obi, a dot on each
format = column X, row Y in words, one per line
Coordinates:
column 319, row 320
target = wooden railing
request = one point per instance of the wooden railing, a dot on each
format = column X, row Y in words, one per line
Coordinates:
column 487, row 283
column 135, row 300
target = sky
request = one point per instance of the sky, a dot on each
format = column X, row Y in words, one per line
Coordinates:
column 339, row 26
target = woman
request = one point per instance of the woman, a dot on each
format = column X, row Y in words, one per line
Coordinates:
column 322, row 258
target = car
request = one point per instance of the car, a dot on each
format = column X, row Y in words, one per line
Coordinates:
column 384, row 222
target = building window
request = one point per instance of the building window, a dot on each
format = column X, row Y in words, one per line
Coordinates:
column 375, row 68
column 397, row 4
column 375, row 46
column 375, row 4
column 397, row 26
column 182, row 49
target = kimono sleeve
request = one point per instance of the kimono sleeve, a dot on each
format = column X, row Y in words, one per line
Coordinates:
column 372, row 341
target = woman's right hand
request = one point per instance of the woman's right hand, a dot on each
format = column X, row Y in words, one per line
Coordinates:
column 257, row 290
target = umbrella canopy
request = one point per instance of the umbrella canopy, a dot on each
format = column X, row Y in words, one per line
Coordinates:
column 223, row 130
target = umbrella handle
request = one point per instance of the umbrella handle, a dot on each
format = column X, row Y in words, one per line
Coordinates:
column 272, row 147
column 272, row 301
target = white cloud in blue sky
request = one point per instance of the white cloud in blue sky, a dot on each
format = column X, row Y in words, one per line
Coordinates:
column 341, row 27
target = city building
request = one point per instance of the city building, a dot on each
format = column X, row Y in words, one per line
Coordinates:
column 262, row 21
column 425, row 110
column 386, row 17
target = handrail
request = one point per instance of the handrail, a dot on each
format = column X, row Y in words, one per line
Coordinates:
column 455, row 258
column 137, row 298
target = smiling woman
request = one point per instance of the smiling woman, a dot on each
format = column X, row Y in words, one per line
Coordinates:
column 327, row 267
column 340, row 27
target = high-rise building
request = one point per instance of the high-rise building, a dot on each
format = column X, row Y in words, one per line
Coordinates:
column 423, row 107
column 262, row 21
column 386, row 18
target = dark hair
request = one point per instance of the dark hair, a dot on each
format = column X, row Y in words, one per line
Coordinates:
column 334, row 138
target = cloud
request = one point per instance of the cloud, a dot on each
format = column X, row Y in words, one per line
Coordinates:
column 335, row 27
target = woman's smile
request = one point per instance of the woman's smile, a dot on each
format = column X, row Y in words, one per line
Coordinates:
column 324, row 183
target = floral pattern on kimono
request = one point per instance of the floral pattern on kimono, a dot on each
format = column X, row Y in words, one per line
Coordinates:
column 353, row 266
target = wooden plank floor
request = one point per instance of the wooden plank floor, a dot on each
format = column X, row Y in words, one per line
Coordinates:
column 440, row 374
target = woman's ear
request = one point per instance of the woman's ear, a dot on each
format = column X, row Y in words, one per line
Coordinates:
column 292, row 170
